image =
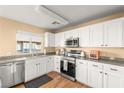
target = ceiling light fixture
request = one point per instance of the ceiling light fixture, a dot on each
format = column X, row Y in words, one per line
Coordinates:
column 52, row 14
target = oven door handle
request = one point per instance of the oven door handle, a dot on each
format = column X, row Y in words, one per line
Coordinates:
column 71, row 62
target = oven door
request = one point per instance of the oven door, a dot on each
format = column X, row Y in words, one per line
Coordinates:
column 69, row 69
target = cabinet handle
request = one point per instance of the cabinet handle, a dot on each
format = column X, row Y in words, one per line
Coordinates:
column 101, row 72
column 106, row 45
column 81, row 63
column 102, row 45
column 12, row 68
column 113, row 69
column 105, row 73
column 95, row 65
column 6, row 65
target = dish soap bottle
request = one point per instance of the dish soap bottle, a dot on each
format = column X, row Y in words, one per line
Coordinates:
column 44, row 51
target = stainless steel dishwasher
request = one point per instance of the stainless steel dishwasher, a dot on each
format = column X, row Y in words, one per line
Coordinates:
column 6, row 75
column 18, row 72
column 11, row 73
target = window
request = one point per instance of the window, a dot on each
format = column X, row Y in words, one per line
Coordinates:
column 35, row 46
column 28, row 42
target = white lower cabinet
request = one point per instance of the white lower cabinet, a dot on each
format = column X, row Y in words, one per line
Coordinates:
column 95, row 75
column 113, row 76
column 30, row 69
column 34, row 68
column 81, row 71
column 39, row 66
column 57, row 63
column 50, row 64
column 105, row 75
column 42, row 63
column 113, row 81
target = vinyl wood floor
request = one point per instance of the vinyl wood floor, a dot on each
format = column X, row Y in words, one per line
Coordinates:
column 58, row 82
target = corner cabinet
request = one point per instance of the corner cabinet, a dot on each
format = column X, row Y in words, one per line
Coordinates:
column 49, row 39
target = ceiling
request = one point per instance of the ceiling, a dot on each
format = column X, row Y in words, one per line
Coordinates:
column 74, row 14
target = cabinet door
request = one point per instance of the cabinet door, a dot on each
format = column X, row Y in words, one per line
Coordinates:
column 50, row 64
column 49, row 39
column 67, row 35
column 62, row 39
column 113, row 33
column 97, row 35
column 95, row 78
column 58, row 40
column 57, row 64
column 81, row 71
column 30, row 70
column 113, row 80
column 42, row 66
column 6, row 75
column 84, row 36
column 74, row 33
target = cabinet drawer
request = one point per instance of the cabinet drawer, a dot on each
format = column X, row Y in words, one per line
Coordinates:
column 57, row 70
column 114, row 69
column 81, row 62
column 57, row 60
column 57, row 64
column 95, row 65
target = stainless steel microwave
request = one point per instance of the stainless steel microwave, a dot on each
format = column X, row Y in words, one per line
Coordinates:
column 72, row 42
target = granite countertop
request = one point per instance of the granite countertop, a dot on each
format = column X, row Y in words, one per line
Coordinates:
column 116, row 62
column 16, row 59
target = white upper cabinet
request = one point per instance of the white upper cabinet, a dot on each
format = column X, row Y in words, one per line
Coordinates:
column 67, row 35
column 74, row 33
column 114, row 33
column 36, row 38
column 107, row 34
column 22, row 36
column 104, row 34
column 49, row 39
column 84, row 39
column 59, row 39
column 97, row 35
column 71, row 34
column 27, row 36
